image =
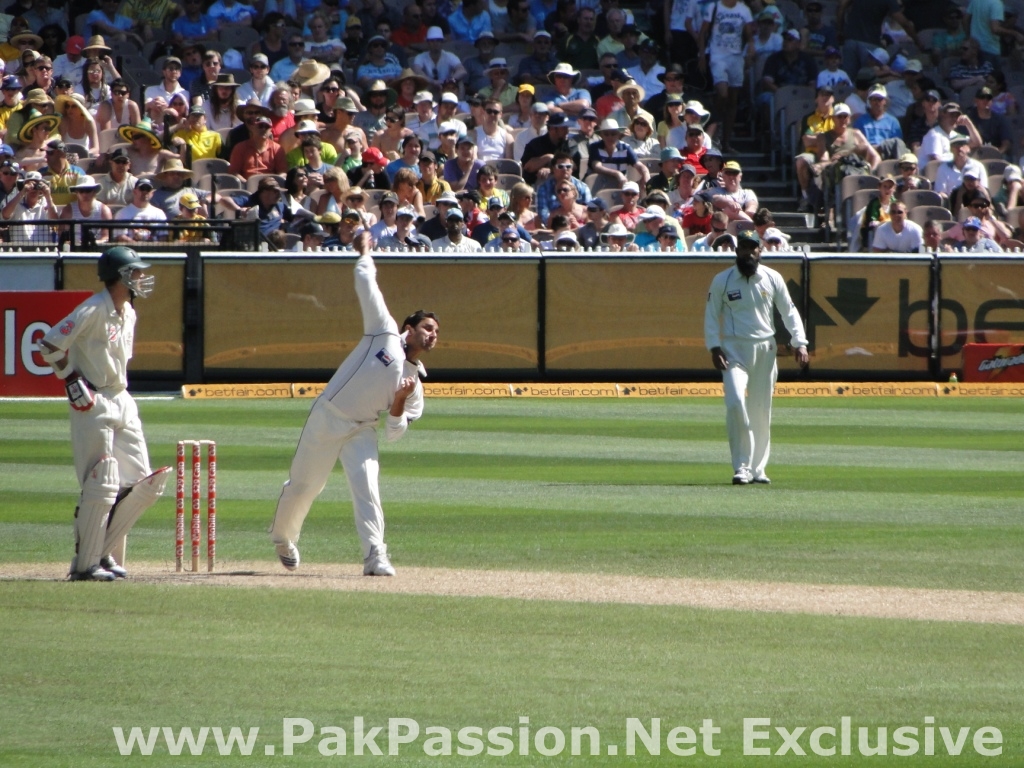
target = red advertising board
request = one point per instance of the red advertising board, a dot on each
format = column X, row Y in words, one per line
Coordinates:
column 993, row 363
column 27, row 316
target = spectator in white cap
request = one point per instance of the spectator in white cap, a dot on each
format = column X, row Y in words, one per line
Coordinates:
column 974, row 240
column 649, row 223
column 568, row 97
column 881, row 129
column 423, row 103
column 618, row 238
column 538, row 127
column 951, row 173
column 455, row 238
column 405, row 237
column 611, row 157
column 500, row 88
column 436, row 64
column 628, row 213
column 260, row 86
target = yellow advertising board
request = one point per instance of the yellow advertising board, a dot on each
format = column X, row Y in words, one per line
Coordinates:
column 277, row 315
column 633, row 315
column 982, row 302
column 869, row 315
column 158, row 338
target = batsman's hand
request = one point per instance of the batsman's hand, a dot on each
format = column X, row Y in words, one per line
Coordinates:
column 802, row 358
column 718, row 359
column 79, row 394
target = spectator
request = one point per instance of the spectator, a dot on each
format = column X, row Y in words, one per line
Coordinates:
column 832, row 75
column 494, row 139
column 200, row 86
column 610, row 157
column 881, row 129
column 86, row 206
column 968, row 193
column 203, row 143
column 845, row 151
column 260, row 86
column 763, row 43
column 436, row 227
column 140, row 210
column 372, row 120
column 538, row 127
column 948, row 41
column 1003, row 102
column 372, row 174
column 455, row 239
column 1008, row 195
column 817, row 36
column 646, row 73
column 469, row 204
column 698, row 218
column 259, row 154
column 790, row 66
column 719, row 227
column 332, row 201
column 971, row 70
column 649, row 226
column 412, row 33
column 933, row 237
column 567, row 205
column 487, row 185
column 876, row 213
column 547, row 194
column 429, row 184
column 170, row 83
column 32, row 204
column 60, row 173
column 628, row 214
column 404, row 187
column 379, row 65
column 470, row 21
column 460, row 172
column 386, row 225
column 33, row 135
column 272, row 43
column 77, row 125
column 666, row 179
column 389, row 141
column 617, row 238
column 641, row 138
column 859, row 24
column 516, row 25
column 991, row 227
column 69, row 64
column 436, row 64
column 726, row 26
column 405, row 237
column 355, row 199
column 950, row 173
column 485, row 45
column 589, row 235
column 579, row 48
column 909, row 179
column 814, row 126
column 266, row 205
column 898, row 235
column 568, row 98
column 995, row 130
column 284, row 69
column 520, row 198
column 631, row 95
column 902, row 93
column 321, row 45
column 106, row 21
column 986, row 25
column 116, row 188
column 735, row 201
column 230, row 13
column 974, row 241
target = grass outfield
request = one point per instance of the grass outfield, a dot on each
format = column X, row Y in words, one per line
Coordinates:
column 900, row 493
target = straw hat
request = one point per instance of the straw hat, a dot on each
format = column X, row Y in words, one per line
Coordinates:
column 172, row 165
column 35, row 118
column 37, row 96
column 27, row 37
column 379, row 86
column 632, row 85
column 97, row 44
column 311, row 72
column 144, row 129
column 225, row 80
column 422, row 83
column 78, row 100
column 618, row 229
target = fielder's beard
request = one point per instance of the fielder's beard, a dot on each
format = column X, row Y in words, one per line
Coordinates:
column 746, row 265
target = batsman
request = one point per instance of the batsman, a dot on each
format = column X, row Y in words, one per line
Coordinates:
column 89, row 350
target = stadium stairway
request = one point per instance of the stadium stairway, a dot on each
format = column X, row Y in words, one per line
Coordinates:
column 774, row 187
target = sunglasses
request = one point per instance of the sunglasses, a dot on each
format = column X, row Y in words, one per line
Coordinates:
column 897, row 213
column 510, row 240
column 393, row 120
column 731, row 173
column 564, row 166
column 8, row 173
column 630, row 193
column 979, row 205
column 296, row 45
column 44, row 69
column 493, row 111
column 719, row 231
column 564, row 190
column 331, row 90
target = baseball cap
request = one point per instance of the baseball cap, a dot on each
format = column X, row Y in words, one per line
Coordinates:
column 970, row 172
column 558, row 120
column 670, row 153
column 913, row 65
column 312, row 229
column 350, row 214
column 189, row 200
column 541, row 33
column 878, row 90
column 374, row 156
column 631, row 186
column 972, row 222
column 494, row 202
column 687, row 168
column 447, row 197
column 120, row 154
column 142, row 183
column 832, row 51
column 510, row 232
column 56, row 145
column 667, row 230
column 1012, row 173
column 268, row 182
column 773, row 233
column 732, row 165
column 540, row 108
column 427, row 156
column 958, row 138
column 196, row 109
column 588, row 113
column 597, row 204
column 455, row 213
column 435, row 33
column 712, row 152
column 407, row 210
column 388, row 197
column 652, row 212
column 449, row 126
column 467, row 139
column 984, row 93
column 932, row 95
column 11, row 83
column 952, row 107
column 422, row 96
column 74, row 45
column 792, row 34
column 880, row 55
column 749, row 236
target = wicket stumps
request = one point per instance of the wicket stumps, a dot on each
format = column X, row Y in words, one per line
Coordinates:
column 197, row 495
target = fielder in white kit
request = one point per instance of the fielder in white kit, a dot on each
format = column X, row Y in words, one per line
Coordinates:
column 739, row 331
column 381, row 374
column 90, row 349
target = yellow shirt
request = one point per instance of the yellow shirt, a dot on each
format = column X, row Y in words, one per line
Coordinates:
column 205, row 144
column 61, row 183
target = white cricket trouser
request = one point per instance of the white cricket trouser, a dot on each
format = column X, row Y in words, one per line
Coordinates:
column 327, row 437
column 749, row 382
column 110, row 428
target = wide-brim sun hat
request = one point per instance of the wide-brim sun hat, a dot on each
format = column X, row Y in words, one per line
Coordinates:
column 422, row 83
column 84, row 182
column 563, row 69
column 96, row 43
column 252, row 103
column 632, row 85
column 172, row 165
column 310, row 72
column 34, row 119
column 27, row 37
column 143, row 130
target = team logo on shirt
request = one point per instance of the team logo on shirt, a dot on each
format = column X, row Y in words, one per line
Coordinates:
column 385, row 357
column 112, row 333
column 734, row 295
column 67, row 328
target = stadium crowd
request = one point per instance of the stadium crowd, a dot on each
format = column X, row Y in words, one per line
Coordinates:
column 511, row 125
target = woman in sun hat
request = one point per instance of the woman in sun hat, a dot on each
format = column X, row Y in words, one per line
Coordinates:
column 35, row 102
column 406, row 85
column 220, row 104
column 86, row 206
column 77, row 125
column 146, row 151
column 33, row 135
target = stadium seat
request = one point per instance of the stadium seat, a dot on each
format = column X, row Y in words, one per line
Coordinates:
column 923, row 213
column 210, row 166
column 915, row 197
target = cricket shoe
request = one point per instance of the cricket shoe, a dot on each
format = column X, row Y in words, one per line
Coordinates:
column 377, row 564
column 92, row 574
column 742, row 477
column 108, row 563
column 762, row 479
column 288, row 554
